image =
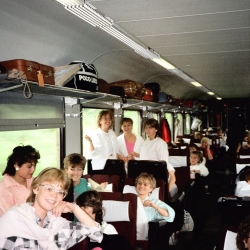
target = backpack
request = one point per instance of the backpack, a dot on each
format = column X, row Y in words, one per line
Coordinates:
column 85, row 79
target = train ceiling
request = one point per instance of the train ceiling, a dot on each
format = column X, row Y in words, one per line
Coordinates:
column 208, row 41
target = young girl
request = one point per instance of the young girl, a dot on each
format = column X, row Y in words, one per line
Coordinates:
column 197, row 166
column 91, row 203
column 38, row 225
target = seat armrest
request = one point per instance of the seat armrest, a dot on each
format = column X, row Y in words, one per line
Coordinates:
column 158, row 234
column 178, row 197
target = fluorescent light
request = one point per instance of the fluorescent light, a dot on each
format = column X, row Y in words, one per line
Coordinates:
column 197, row 84
column 69, row 2
column 219, row 98
column 89, row 15
column 164, row 63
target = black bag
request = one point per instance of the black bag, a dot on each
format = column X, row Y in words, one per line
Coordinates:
column 85, row 79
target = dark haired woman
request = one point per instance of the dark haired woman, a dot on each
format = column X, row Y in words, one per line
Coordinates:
column 129, row 144
column 155, row 149
column 15, row 185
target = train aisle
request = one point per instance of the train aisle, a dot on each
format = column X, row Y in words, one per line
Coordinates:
column 206, row 233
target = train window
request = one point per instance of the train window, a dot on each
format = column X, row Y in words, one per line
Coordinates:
column 187, row 130
column 46, row 141
column 169, row 117
column 135, row 116
column 180, row 118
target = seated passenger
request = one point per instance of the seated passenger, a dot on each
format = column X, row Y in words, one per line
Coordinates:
column 223, row 140
column 149, row 209
column 208, row 153
column 244, row 140
column 74, row 165
column 15, row 185
column 197, row 166
column 91, row 203
column 194, row 147
column 243, row 187
column 242, row 238
column 247, row 145
column 38, row 224
column 155, row 149
column 198, row 135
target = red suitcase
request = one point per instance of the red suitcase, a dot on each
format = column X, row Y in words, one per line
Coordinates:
column 34, row 71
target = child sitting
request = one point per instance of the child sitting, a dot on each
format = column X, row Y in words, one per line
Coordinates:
column 197, row 166
column 91, row 203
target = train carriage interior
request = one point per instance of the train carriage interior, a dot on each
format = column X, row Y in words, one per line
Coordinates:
column 183, row 62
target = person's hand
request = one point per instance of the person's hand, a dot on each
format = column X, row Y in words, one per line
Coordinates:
column 148, row 203
column 88, row 138
column 104, row 184
column 63, row 207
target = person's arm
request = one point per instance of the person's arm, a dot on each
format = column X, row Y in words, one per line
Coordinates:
column 91, row 146
column 209, row 155
column 82, row 216
column 120, row 157
column 160, row 210
column 172, row 180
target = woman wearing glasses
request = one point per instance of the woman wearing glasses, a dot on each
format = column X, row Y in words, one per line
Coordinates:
column 37, row 224
column 15, row 185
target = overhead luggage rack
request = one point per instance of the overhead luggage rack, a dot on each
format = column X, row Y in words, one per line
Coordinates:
column 94, row 99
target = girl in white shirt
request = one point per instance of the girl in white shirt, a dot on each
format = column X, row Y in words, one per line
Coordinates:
column 197, row 166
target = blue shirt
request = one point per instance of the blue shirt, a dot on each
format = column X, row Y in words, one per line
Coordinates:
column 153, row 214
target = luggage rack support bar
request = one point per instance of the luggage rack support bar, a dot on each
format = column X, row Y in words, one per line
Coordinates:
column 13, row 87
column 133, row 104
column 94, row 99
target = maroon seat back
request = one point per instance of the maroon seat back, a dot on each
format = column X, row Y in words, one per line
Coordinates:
column 125, row 228
column 159, row 183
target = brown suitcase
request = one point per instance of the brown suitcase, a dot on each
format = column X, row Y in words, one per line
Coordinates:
column 141, row 90
column 129, row 87
column 34, row 71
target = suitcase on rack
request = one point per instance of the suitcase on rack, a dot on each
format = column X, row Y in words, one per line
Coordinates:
column 155, row 87
column 129, row 86
column 34, row 71
column 148, row 95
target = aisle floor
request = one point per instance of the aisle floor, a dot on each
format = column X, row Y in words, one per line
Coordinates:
column 206, row 233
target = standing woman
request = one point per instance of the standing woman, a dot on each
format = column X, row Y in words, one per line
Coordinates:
column 103, row 144
column 15, row 185
column 155, row 149
column 129, row 144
